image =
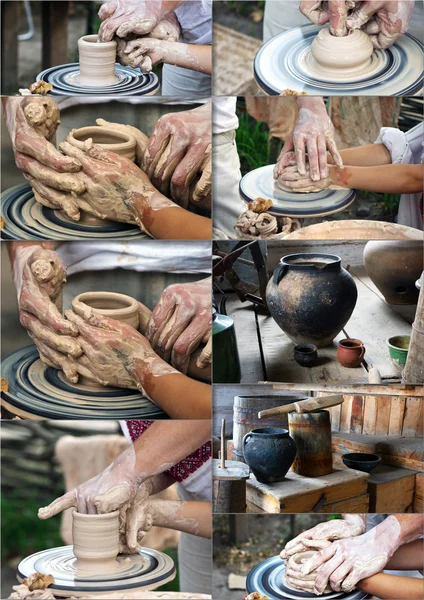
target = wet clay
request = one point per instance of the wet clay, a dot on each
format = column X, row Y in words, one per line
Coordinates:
column 97, row 62
column 120, row 142
column 116, row 306
column 296, row 562
column 96, row 542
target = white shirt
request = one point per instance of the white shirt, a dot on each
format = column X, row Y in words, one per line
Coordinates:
column 224, row 116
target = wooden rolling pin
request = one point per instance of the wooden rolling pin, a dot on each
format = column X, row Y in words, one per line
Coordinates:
column 144, row 314
column 302, row 406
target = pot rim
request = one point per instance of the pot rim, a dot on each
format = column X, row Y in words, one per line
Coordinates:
column 306, row 349
column 307, row 256
column 357, row 346
column 131, row 303
column 362, row 457
column 123, row 139
column 393, row 337
column 270, row 431
column 96, row 517
column 95, row 40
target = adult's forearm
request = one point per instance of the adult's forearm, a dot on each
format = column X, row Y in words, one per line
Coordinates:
column 387, row 586
column 394, row 179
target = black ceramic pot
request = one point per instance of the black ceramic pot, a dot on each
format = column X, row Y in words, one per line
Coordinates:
column 269, row 452
column 311, row 297
column 361, row 461
column 306, row 355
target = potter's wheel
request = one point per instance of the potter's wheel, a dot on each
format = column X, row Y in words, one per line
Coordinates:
column 268, row 578
column 284, row 63
column 41, row 391
column 147, row 570
column 131, row 82
column 260, row 183
column 25, row 219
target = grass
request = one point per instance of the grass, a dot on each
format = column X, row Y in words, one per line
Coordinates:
column 252, row 143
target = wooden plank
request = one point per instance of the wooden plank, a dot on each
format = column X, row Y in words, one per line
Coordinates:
column 419, row 493
column 335, row 412
column 358, row 504
column 373, row 321
column 357, row 414
column 391, row 489
column 346, row 414
column 420, row 425
column 395, row 389
column 297, row 494
column 247, row 339
column 403, row 447
column 55, row 33
column 349, row 442
column 383, row 415
column 401, row 461
column 412, row 414
column 370, row 415
column 281, row 366
column 397, row 412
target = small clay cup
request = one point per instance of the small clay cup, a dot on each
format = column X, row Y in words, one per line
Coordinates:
column 95, row 541
column 306, row 355
column 120, row 307
column 120, row 142
column 350, row 353
column 97, row 61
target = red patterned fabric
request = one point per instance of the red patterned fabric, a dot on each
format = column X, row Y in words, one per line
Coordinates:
column 188, row 465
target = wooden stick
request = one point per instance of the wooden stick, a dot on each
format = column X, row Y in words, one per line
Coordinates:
column 223, row 444
column 396, row 389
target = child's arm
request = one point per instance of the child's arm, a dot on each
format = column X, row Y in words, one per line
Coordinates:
column 188, row 56
column 395, row 179
column 408, row 557
column 372, row 155
column 393, row 586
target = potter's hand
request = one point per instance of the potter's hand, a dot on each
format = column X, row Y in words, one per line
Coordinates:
column 39, row 276
column 335, row 12
column 136, row 519
column 141, row 138
column 123, row 17
column 107, row 492
column 347, row 561
column 178, row 157
column 145, row 53
column 180, row 322
column 384, row 20
column 314, row 133
column 349, row 526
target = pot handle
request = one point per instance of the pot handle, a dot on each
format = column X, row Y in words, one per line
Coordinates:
column 245, row 438
column 361, row 356
column 279, row 273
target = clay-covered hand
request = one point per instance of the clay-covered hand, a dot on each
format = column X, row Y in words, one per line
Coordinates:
column 349, row 560
column 337, row 529
column 178, row 156
column 334, row 12
column 39, row 276
column 384, row 20
column 123, row 17
column 141, row 138
column 112, row 489
column 313, row 133
column 136, row 519
column 180, row 322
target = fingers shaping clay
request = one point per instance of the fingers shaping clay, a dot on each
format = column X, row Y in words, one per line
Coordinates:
column 96, row 542
column 120, row 142
column 294, row 564
column 97, row 61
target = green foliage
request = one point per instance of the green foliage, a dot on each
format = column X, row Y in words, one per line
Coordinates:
column 252, row 143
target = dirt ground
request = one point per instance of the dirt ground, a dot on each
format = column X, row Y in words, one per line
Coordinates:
column 267, row 535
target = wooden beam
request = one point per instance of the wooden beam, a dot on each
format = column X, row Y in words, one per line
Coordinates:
column 54, row 18
column 395, row 389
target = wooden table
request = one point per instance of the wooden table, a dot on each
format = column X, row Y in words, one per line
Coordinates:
column 266, row 352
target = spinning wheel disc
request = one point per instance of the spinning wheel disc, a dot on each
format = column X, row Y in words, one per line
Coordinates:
column 268, row 578
column 147, row 570
column 260, row 183
column 25, row 219
column 282, row 63
column 35, row 389
column 131, row 82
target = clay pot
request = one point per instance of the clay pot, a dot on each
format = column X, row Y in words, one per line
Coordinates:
column 120, row 142
column 394, row 266
column 269, row 452
column 306, row 355
column 350, row 353
column 109, row 304
column 311, row 297
column 96, row 541
column 348, row 52
column 97, row 61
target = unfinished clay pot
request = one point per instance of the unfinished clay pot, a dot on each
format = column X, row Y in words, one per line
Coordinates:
column 120, row 142
column 96, row 541
column 311, row 297
column 120, row 307
column 394, row 266
column 348, row 54
column 97, row 61
column 296, row 561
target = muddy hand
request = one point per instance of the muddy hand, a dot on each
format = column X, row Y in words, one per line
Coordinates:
column 32, row 122
column 313, row 133
column 335, row 13
column 39, row 276
column 349, row 526
column 136, row 519
column 384, row 20
column 180, row 322
column 109, row 491
column 123, row 17
column 178, row 153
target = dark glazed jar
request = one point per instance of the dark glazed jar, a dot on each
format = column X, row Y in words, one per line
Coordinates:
column 269, row 452
column 225, row 358
column 311, row 297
